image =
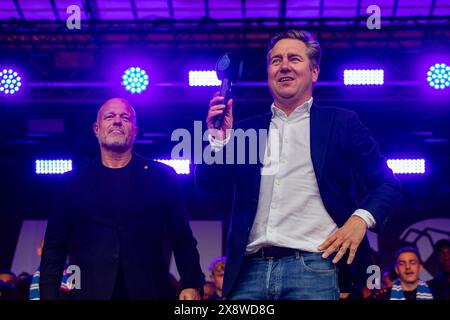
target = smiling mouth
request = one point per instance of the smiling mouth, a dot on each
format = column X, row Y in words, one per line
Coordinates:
column 285, row 79
column 116, row 131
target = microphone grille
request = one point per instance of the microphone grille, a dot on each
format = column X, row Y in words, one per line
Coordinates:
column 223, row 63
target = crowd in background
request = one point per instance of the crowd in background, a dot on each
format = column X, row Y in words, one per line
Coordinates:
column 401, row 281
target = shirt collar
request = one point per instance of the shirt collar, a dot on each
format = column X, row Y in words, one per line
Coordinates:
column 296, row 114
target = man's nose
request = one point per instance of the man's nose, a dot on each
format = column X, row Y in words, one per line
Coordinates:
column 117, row 120
column 285, row 65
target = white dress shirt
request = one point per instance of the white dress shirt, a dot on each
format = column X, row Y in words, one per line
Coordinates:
column 290, row 209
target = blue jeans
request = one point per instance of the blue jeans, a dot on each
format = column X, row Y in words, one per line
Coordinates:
column 305, row 276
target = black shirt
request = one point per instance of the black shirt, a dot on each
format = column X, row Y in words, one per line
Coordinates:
column 116, row 192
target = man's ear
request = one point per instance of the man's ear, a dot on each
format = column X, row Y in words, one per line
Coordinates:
column 315, row 73
column 95, row 128
column 396, row 271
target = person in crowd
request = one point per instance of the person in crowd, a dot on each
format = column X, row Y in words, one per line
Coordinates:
column 208, row 290
column 22, row 288
column 34, row 292
column 7, row 276
column 440, row 285
column 6, row 291
column 408, row 286
column 217, row 270
column 388, row 278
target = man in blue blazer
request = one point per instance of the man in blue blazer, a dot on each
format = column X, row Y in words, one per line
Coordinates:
column 294, row 217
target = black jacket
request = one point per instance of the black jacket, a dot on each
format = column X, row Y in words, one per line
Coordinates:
column 83, row 227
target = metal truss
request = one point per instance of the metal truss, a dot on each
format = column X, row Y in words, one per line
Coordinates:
column 175, row 94
column 225, row 33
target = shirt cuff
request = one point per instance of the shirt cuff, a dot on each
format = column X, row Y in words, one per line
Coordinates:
column 366, row 216
column 217, row 145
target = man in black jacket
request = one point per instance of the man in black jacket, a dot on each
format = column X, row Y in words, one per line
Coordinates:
column 115, row 220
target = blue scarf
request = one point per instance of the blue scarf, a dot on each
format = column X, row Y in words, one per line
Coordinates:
column 422, row 291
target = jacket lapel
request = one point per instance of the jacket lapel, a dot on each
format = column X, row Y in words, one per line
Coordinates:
column 262, row 124
column 321, row 122
column 253, row 179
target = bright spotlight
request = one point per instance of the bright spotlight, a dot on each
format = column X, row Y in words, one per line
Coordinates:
column 135, row 80
column 180, row 166
column 364, row 77
column 203, row 78
column 48, row 166
column 10, row 81
column 438, row 76
column 407, row 166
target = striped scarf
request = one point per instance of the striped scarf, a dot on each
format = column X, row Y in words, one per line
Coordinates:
column 422, row 291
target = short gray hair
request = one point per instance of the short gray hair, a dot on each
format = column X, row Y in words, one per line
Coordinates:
column 312, row 45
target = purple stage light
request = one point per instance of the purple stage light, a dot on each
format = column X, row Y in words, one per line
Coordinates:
column 180, row 166
column 135, row 80
column 203, row 78
column 53, row 166
column 438, row 76
column 10, row 82
column 407, row 166
column 364, row 77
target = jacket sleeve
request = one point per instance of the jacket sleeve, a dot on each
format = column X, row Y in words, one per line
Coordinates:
column 382, row 186
column 54, row 253
column 182, row 241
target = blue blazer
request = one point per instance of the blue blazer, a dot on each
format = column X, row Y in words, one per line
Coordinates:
column 340, row 147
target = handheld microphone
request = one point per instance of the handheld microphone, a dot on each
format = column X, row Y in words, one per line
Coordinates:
column 229, row 70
